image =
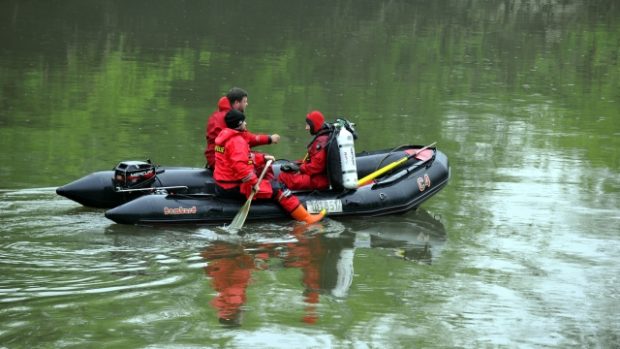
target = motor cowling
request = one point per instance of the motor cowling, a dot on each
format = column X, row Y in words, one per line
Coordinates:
column 134, row 174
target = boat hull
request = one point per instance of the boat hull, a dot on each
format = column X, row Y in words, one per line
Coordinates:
column 98, row 190
column 401, row 190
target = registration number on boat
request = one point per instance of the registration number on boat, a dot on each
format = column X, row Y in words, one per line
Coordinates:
column 315, row 206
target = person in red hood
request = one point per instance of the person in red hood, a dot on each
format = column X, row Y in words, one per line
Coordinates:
column 311, row 172
column 236, row 98
column 236, row 170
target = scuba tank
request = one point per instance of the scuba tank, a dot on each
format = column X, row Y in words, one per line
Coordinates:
column 348, row 164
column 342, row 164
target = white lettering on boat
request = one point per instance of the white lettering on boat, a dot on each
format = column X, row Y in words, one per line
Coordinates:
column 424, row 182
column 179, row 210
column 332, row 206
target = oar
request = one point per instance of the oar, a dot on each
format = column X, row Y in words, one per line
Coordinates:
column 388, row 167
column 239, row 220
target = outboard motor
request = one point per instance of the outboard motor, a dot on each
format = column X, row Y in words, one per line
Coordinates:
column 134, row 174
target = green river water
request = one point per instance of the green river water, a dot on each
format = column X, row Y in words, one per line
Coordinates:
column 519, row 250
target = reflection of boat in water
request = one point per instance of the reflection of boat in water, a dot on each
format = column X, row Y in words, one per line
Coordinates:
column 324, row 253
column 416, row 236
column 326, row 266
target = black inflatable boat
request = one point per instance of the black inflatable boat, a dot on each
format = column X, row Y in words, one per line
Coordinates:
column 187, row 195
column 107, row 189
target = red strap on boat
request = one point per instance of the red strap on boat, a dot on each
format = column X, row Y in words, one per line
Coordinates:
column 423, row 155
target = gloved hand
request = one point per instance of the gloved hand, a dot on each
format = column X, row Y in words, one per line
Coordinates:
column 290, row 167
column 248, row 186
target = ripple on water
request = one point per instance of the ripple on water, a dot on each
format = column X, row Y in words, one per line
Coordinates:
column 68, row 254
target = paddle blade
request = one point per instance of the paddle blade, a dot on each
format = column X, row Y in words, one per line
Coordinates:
column 239, row 219
column 391, row 166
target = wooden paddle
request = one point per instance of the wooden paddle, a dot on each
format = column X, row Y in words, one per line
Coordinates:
column 388, row 167
column 239, row 220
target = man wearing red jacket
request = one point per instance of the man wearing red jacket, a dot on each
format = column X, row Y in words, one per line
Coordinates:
column 235, row 170
column 310, row 172
column 237, row 99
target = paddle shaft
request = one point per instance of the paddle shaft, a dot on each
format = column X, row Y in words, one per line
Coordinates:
column 239, row 220
column 391, row 166
column 260, row 178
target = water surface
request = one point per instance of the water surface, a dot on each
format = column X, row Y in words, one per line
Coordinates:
column 519, row 250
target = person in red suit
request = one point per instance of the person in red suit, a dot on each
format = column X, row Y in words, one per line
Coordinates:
column 236, row 170
column 311, row 172
column 236, row 98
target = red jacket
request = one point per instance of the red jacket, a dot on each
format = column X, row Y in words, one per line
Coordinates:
column 312, row 170
column 237, row 165
column 233, row 159
column 216, row 124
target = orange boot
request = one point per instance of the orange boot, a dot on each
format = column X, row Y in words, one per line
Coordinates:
column 302, row 215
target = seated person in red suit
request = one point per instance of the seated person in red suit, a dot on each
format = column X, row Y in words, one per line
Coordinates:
column 236, row 170
column 310, row 172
